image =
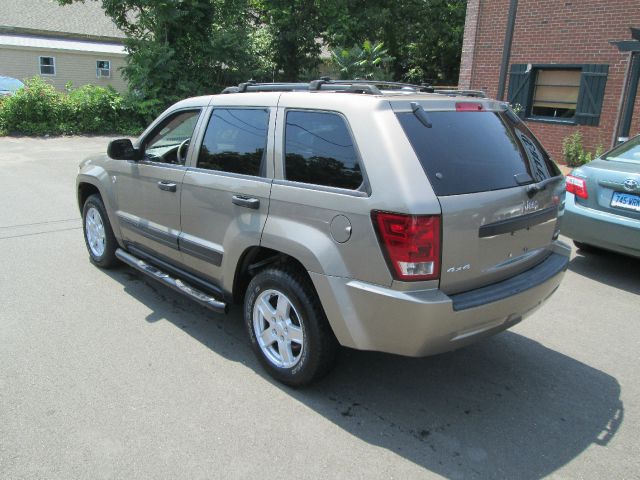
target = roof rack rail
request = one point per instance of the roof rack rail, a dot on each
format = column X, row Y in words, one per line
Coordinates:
column 320, row 84
column 371, row 87
column 325, row 83
column 253, row 86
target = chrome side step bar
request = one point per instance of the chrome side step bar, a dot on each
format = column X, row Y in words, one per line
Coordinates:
column 176, row 284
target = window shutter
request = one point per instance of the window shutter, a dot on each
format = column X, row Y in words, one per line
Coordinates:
column 520, row 87
column 592, row 84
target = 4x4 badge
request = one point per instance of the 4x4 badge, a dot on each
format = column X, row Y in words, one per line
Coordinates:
column 530, row 205
column 459, row 269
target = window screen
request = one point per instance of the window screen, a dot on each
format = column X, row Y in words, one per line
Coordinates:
column 319, row 150
column 103, row 68
column 556, row 93
column 47, row 66
column 235, row 141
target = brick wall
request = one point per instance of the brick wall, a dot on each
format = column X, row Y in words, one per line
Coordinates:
column 77, row 67
column 551, row 31
column 469, row 43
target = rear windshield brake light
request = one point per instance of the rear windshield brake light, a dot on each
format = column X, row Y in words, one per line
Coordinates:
column 469, row 107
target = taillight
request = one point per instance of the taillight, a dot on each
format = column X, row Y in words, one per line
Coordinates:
column 411, row 244
column 469, row 107
column 577, row 186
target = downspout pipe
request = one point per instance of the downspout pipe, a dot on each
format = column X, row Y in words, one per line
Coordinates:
column 631, row 95
column 506, row 49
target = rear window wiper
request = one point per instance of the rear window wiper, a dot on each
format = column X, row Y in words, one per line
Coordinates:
column 532, row 187
column 420, row 114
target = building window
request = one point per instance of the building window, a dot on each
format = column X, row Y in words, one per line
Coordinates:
column 555, row 94
column 559, row 93
column 103, row 68
column 47, row 66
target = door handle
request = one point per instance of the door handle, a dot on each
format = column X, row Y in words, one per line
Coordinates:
column 167, row 186
column 243, row 201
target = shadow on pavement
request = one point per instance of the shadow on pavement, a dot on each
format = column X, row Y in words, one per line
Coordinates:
column 505, row 408
column 619, row 271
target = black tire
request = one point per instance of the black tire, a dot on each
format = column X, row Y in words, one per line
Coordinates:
column 108, row 258
column 319, row 345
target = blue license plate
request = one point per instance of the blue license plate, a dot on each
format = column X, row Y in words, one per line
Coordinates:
column 626, row 201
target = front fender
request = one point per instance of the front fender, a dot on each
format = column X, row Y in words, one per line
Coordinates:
column 94, row 174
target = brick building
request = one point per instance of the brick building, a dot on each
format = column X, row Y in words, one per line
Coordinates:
column 571, row 65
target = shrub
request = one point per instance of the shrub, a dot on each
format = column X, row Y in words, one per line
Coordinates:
column 574, row 152
column 38, row 109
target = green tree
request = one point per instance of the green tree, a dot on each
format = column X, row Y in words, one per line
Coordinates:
column 295, row 28
column 424, row 37
column 180, row 48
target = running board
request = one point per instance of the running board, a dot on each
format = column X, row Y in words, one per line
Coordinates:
column 176, row 284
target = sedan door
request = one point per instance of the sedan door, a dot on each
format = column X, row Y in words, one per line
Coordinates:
column 148, row 190
column 225, row 195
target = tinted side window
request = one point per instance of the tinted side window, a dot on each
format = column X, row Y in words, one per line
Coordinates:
column 319, row 150
column 235, row 141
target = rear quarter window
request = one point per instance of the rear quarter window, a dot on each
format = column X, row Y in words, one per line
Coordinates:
column 468, row 152
column 319, row 150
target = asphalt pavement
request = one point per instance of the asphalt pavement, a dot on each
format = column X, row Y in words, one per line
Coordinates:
column 104, row 374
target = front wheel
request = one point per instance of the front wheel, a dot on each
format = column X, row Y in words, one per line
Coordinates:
column 98, row 235
column 287, row 327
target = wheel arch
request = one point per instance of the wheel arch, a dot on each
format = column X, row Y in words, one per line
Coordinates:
column 252, row 260
column 87, row 186
column 85, row 190
column 255, row 258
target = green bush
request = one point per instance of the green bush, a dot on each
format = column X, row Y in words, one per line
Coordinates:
column 574, row 152
column 38, row 109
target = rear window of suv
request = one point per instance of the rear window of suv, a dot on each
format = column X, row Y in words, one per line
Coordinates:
column 468, row 152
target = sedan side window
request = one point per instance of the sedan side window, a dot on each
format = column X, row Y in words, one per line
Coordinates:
column 235, row 141
column 169, row 143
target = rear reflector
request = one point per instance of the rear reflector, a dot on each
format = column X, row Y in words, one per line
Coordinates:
column 469, row 107
column 411, row 244
column 577, row 186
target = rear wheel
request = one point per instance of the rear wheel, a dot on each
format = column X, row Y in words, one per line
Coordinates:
column 98, row 235
column 287, row 327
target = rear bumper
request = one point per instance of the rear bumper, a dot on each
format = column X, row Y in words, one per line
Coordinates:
column 601, row 229
column 420, row 323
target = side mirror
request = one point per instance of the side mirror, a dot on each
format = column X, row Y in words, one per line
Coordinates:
column 122, row 149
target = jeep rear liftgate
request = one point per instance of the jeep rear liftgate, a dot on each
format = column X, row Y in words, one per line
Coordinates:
column 497, row 189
